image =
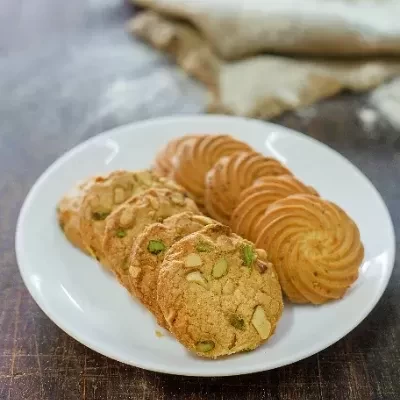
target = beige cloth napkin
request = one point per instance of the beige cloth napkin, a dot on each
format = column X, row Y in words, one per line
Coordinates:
column 224, row 43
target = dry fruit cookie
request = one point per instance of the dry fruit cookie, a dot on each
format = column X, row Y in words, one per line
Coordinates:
column 68, row 210
column 255, row 200
column 315, row 247
column 163, row 163
column 148, row 253
column 195, row 159
column 105, row 195
column 232, row 174
column 127, row 222
column 218, row 294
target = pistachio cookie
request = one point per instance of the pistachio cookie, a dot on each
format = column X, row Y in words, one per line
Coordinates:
column 148, row 253
column 163, row 163
column 218, row 294
column 231, row 175
column 246, row 218
column 68, row 210
column 315, row 247
column 105, row 195
column 129, row 220
column 195, row 159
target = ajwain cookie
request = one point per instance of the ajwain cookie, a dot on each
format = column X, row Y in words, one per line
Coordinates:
column 196, row 158
column 68, row 209
column 246, row 218
column 315, row 247
column 105, row 195
column 129, row 220
column 148, row 253
column 218, row 294
column 232, row 174
column 163, row 163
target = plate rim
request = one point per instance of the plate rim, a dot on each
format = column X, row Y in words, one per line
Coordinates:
column 150, row 366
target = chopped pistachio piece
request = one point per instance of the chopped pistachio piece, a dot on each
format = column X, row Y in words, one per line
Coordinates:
column 203, row 247
column 100, row 215
column 220, row 268
column 205, row 346
column 236, row 322
column 156, row 246
column 248, row 255
column 121, row 233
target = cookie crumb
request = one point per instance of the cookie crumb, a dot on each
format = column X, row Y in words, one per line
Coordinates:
column 159, row 334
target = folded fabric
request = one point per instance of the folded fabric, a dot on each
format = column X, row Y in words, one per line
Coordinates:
column 207, row 38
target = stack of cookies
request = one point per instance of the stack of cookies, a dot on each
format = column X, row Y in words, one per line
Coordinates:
column 210, row 237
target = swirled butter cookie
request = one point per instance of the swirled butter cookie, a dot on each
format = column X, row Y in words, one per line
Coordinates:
column 218, row 294
column 68, row 210
column 129, row 220
column 195, row 159
column 105, row 195
column 163, row 163
column 255, row 200
column 315, row 247
column 148, row 253
column 232, row 174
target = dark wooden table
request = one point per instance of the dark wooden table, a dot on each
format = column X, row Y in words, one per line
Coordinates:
column 69, row 71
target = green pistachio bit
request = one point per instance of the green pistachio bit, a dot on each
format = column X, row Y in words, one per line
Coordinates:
column 203, row 247
column 121, row 233
column 100, row 215
column 248, row 255
column 220, row 268
column 205, row 346
column 156, row 246
column 236, row 322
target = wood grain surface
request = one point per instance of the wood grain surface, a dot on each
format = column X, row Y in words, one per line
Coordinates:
column 69, row 71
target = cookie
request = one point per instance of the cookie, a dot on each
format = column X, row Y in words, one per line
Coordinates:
column 195, row 159
column 232, row 174
column 148, row 253
column 218, row 294
column 129, row 220
column 68, row 209
column 105, row 195
column 163, row 163
column 315, row 247
column 255, row 200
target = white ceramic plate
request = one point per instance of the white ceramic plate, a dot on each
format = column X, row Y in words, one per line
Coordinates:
column 89, row 304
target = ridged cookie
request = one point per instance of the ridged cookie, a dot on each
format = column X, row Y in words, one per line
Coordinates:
column 163, row 163
column 148, row 253
column 195, row 159
column 105, row 195
column 218, row 294
column 315, row 247
column 68, row 210
column 255, row 200
column 129, row 220
column 232, row 174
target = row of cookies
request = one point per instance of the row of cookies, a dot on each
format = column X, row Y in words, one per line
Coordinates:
column 314, row 245
column 145, row 229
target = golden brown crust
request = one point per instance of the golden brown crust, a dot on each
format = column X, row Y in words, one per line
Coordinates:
column 246, row 218
column 145, row 262
column 197, row 157
column 163, row 163
column 315, row 247
column 125, row 224
column 210, row 305
column 68, row 210
column 105, row 195
column 231, row 175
